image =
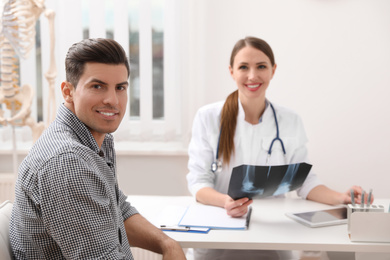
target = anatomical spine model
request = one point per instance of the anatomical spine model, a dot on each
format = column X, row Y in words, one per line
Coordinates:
column 17, row 36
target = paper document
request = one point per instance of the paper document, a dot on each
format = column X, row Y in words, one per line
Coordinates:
column 169, row 218
column 199, row 215
column 170, row 215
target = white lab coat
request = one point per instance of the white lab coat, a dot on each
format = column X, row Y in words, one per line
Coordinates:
column 251, row 146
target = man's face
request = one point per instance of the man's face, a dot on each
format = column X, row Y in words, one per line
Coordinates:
column 100, row 98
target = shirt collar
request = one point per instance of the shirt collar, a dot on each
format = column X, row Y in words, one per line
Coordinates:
column 67, row 117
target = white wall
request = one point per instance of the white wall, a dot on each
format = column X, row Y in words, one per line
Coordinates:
column 333, row 61
column 333, row 69
column 153, row 174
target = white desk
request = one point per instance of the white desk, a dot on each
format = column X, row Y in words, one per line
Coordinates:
column 269, row 228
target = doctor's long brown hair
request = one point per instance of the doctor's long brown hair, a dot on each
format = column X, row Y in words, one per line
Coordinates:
column 230, row 108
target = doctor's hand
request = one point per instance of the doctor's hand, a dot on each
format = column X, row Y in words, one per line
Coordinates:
column 357, row 191
column 237, row 208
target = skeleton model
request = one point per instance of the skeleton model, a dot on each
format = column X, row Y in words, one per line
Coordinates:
column 17, row 36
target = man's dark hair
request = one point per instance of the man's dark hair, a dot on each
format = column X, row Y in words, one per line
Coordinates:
column 98, row 50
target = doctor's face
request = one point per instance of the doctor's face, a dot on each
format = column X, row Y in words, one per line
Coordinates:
column 252, row 71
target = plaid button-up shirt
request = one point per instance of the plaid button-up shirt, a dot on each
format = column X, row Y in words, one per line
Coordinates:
column 67, row 203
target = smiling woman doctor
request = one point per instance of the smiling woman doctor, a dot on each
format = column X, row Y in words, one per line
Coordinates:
column 248, row 129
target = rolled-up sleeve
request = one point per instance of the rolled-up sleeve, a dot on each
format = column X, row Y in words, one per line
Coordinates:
column 125, row 206
column 301, row 155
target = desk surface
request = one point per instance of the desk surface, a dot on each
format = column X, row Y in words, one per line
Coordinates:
column 269, row 228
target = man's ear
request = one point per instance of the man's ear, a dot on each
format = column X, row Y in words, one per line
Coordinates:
column 67, row 90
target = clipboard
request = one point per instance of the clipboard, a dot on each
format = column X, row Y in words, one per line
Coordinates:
column 167, row 220
column 206, row 216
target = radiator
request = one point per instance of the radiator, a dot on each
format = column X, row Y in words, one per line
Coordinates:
column 141, row 254
column 7, row 187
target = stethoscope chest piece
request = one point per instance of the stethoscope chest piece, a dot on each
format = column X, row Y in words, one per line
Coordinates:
column 216, row 166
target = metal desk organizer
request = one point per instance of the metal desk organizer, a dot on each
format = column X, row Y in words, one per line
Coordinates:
column 368, row 223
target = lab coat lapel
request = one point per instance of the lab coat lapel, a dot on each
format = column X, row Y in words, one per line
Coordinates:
column 239, row 127
column 263, row 130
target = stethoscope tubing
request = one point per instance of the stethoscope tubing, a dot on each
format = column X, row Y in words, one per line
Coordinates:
column 277, row 138
column 216, row 166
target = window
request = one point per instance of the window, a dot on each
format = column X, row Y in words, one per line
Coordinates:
column 145, row 28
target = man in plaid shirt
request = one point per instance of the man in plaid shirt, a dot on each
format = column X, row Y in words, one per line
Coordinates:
column 68, row 204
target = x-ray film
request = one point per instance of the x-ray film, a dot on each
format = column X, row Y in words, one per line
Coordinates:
column 263, row 181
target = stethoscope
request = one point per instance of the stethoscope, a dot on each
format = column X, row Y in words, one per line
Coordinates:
column 216, row 166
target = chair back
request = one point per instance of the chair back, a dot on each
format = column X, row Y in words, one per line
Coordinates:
column 5, row 217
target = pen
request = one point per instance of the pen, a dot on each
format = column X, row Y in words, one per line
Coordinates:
column 352, row 197
column 174, row 228
column 248, row 217
column 369, row 198
column 362, row 202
